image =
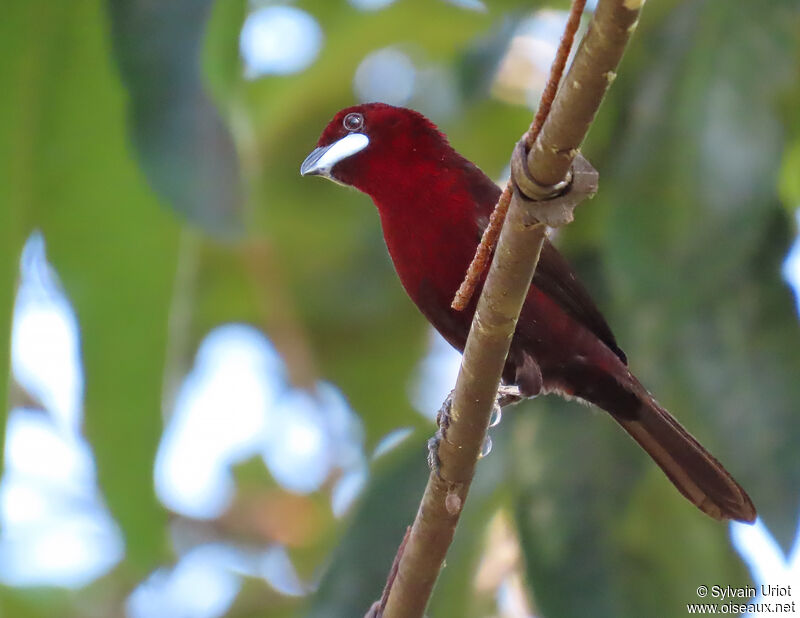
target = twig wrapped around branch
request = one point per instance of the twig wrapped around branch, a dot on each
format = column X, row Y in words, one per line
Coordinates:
column 492, row 232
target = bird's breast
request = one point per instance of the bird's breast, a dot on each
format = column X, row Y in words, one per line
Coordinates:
column 430, row 256
column 431, row 260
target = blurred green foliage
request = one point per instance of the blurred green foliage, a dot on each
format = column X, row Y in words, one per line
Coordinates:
column 166, row 215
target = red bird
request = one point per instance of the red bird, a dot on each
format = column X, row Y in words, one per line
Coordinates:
column 434, row 206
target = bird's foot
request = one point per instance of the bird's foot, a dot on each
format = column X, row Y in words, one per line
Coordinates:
column 434, row 463
column 443, row 415
column 508, row 395
column 442, row 422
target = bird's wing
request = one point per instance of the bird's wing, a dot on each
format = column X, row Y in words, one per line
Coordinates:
column 555, row 277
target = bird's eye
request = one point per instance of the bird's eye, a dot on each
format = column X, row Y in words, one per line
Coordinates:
column 353, row 121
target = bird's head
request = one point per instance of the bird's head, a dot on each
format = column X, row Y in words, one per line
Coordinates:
column 377, row 148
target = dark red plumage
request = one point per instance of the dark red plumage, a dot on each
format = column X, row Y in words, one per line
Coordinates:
column 434, row 205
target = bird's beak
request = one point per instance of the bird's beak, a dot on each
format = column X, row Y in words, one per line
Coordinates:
column 321, row 160
column 310, row 166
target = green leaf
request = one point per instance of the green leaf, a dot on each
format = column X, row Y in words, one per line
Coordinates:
column 222, row 66
column 113, row 246
column 183, row 146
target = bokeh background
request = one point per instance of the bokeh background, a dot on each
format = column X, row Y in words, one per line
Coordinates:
column 218, row 395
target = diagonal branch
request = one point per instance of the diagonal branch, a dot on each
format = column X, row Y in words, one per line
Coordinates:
column 483, row 254
column 499, row 305
column 592, row 72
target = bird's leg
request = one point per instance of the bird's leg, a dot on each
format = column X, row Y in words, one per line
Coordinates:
column 507, row 395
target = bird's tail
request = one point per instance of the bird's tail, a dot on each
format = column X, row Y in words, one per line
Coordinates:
column 692, row 469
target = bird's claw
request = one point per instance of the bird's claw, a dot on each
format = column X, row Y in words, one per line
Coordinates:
column 508, row 395
column 434, row 463
column 442, row 422
column 443, row 415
